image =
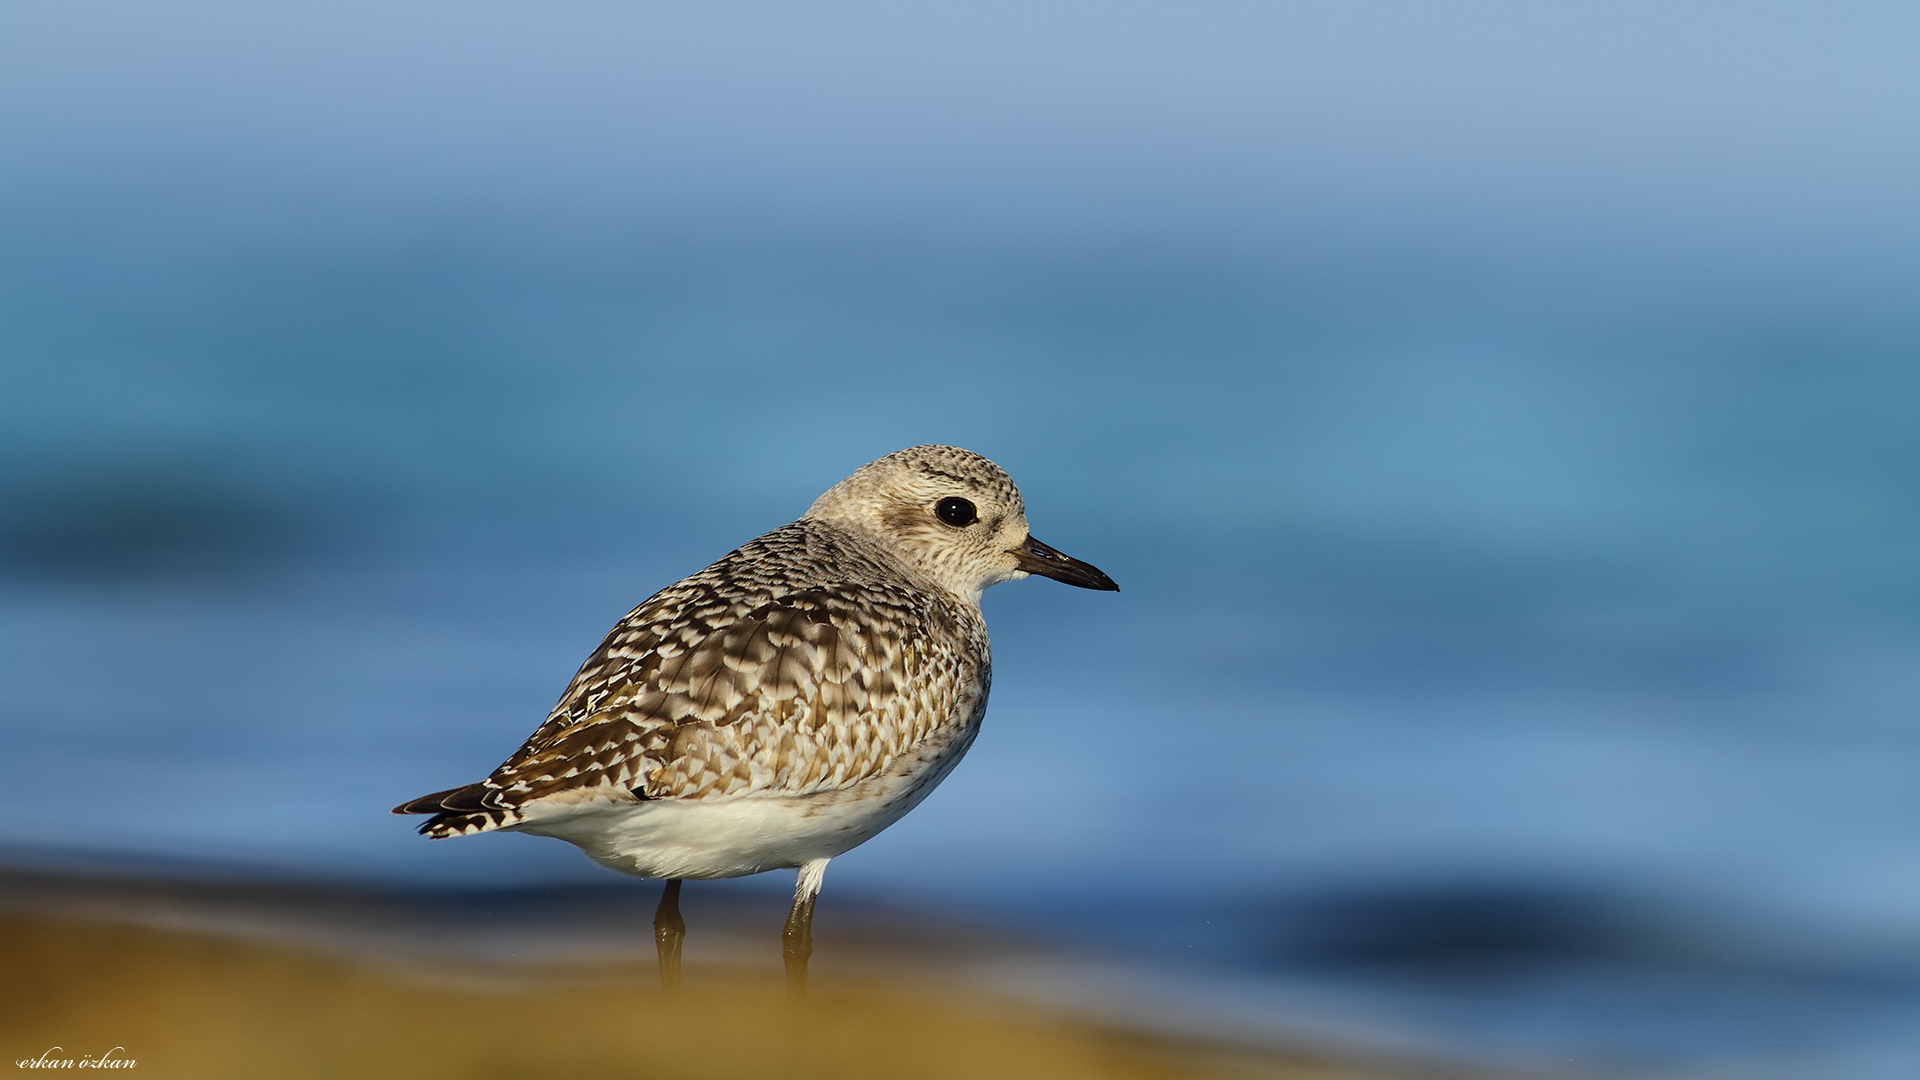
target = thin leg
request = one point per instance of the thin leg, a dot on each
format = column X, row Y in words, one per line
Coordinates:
column 669, row 930
column 797, row 939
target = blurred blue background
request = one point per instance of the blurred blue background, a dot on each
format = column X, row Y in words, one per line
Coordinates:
column 1501, row 417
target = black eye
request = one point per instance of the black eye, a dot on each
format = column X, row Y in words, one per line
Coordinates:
column 956, row 512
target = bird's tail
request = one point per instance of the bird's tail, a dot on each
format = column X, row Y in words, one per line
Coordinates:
column 461, row 811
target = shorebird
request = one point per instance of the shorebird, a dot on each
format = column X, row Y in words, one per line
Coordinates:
column 785, row 704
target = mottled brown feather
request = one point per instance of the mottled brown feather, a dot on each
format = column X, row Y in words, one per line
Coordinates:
column 805, row 661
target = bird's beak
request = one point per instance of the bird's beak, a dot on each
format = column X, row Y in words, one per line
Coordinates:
column 1037, row 558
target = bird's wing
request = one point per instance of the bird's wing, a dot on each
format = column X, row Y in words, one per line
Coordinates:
column 709, row 690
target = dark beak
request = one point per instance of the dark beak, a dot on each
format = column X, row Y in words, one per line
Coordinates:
column 1037, row 558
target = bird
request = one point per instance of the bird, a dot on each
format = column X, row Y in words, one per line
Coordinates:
column 784, row 705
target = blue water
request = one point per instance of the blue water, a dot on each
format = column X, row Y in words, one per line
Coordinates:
column 1521, row 615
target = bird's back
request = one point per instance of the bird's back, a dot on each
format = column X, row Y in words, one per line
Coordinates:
column 806, row 661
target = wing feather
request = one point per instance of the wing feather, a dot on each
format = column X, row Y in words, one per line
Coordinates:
column 759, row 675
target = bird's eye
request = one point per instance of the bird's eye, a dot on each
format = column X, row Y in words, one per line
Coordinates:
column 956, row 512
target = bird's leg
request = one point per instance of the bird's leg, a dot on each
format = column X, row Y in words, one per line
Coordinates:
column 669, row 930
column 797, row 944
column 797, row 939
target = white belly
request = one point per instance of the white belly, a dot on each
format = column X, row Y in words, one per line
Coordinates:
column 733, row 837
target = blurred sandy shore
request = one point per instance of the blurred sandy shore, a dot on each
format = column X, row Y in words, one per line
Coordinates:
column 210, row 980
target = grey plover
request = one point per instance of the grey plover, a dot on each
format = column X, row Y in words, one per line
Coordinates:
column 785, row 704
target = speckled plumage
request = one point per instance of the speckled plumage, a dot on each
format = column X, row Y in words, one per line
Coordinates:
column 790, row 700
column 800, row 663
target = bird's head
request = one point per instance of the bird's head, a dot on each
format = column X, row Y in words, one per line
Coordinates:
column 952, row 514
